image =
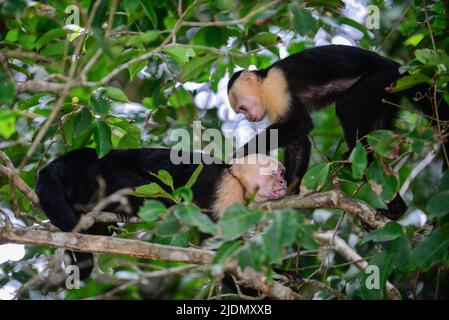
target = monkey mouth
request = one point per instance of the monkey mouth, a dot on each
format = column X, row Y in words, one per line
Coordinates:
column 279, row 192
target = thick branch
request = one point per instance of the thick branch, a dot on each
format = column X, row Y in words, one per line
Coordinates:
column 140, row 249
column 37, row 86
column 340, row 246
column 334, row 199
column 257, row 280
column 20, row 184
column 105, row 244
column 20, row 54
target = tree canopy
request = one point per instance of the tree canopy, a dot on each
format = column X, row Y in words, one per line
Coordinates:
column 126, row 74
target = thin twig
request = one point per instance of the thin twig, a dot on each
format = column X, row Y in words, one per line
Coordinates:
column 234, row 21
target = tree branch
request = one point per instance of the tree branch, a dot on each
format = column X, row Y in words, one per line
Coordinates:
column 333, row 199
column 105, row 244
column 18, row 181
column 257, row 280
column 225, row 23
column 36, row 86
column 340, row 246
column 140, row 249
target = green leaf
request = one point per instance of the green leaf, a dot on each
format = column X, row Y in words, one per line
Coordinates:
column 125, row 126
column 68, row 131
column 196, row 66
column 427, row 56
column 168, row 227
column 151, row 210
column 28, row 41
column 381, row 182
column 32, row 101
column 243, row 61
column 115, row 94
column 252, row 255
column 135, row 40
column 390, row 231
column 385, row 143
column 7, row 123
column 107, row 262
column 99, row 104
column 149, row 11
column 135, row 68
column 151, row 190
column 431, row 250
column 359, row 160
column 226, row 251
column 180, row 54
column 354, row 24
column 184, row 193
column 385, row 262
column 367, row 194
column 191, row 215
column 265, row 38
column 236, row 220
column 414, row 40
column 50, row 36
column 403, row 260
column 438, row 206
column 53, row 49
column 316, row 176
column 7, row 89
column 102, row 137
column 100, row 13
column 280, row 233
column 129, row 141
column 12, row 35
column 409, row 82
column 130, row 6
column 82, row 127
column 303, row 22
column 194, row 176
column 165, row 177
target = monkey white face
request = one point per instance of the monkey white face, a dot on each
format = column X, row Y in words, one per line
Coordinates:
column 244, row 97
column 261, row 174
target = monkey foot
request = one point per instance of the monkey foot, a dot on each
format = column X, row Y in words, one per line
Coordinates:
column 123, row 217
column 387, row 213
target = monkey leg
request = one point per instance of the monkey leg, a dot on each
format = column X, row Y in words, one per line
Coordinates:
column 362, row 111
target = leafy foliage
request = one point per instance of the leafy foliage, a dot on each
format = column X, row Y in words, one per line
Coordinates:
column 129, row 73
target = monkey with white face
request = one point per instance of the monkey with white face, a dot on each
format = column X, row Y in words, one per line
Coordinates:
column 71, row 182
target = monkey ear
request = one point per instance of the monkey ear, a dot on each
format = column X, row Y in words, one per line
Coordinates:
column 248, row 76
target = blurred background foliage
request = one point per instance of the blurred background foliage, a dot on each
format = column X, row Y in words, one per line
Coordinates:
column 118, row 100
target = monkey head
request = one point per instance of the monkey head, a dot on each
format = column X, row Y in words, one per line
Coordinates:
column 245, row 96
column 261, row 175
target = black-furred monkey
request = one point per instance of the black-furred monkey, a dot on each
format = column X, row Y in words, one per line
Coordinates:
column 69, row 185
column 287, row 91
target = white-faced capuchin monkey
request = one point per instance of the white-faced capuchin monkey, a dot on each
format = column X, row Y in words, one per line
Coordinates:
column 355, row 79
column 70, row 184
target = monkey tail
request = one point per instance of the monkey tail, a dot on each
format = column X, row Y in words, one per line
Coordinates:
column 50, row 189
column 422, row 95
